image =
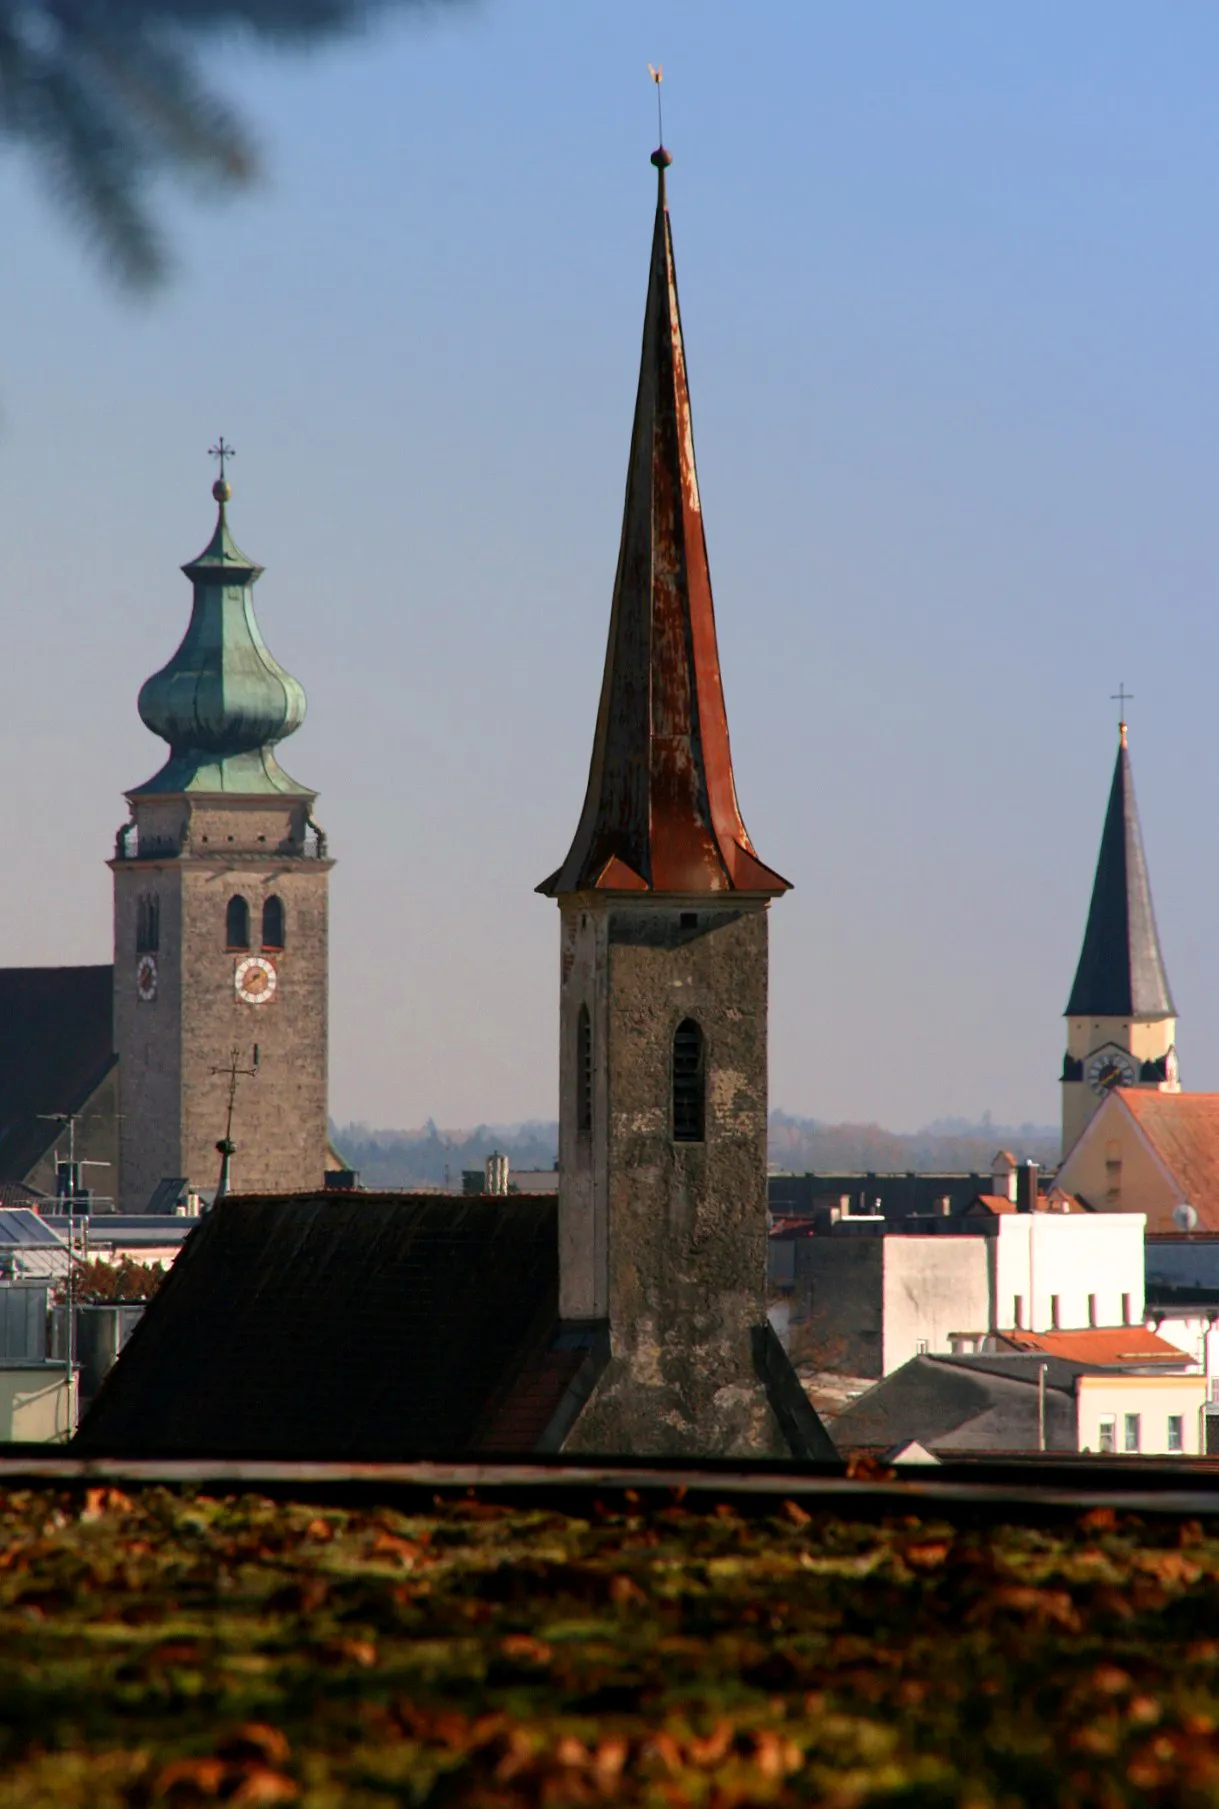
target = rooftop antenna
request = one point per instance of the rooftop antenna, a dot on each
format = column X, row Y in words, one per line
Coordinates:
column 657, row 75
column 226, row 1148
column 1121, row 697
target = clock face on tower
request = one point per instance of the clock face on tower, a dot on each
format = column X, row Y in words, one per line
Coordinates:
column 146, row 978
column 1111, row 1066
column 254, row 980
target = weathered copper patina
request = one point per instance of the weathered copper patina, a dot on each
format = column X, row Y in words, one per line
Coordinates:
column 661, row 812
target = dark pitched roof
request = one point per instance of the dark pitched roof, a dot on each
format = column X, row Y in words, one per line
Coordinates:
column 58, row 1045
column 959, row 1404
column 1121, row 970
column 661, row 811
column 353, row 1325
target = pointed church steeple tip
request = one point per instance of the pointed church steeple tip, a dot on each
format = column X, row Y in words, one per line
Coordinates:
column 661, row 811
column 1121, row 967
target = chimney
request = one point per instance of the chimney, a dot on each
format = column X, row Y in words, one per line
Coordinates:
column 1003, row 1175
column 496, row 1170
column 1025, row 1194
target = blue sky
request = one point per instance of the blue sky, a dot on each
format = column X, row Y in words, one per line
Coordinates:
column 949, row 282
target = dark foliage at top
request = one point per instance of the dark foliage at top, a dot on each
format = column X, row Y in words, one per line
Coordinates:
column 108, row 95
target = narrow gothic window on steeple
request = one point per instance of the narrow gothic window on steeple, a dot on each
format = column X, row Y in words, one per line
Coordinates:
column 273, row 923
column 689, row 1083
column 148, row 924
column 237, row 923
column 584, row 1071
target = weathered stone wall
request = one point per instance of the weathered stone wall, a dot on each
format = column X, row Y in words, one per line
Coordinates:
column 148, row 1035
column 174, row 1105
column 686, row 1221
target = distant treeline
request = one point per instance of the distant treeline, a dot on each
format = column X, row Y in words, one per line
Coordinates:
column 431, row 1157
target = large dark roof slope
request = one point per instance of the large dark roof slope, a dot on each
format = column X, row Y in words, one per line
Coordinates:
column 959, row 1404
column 357, row 1326
column 56, row 1048
column 1121, row 970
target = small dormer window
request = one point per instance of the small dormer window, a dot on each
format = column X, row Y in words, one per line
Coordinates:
column 689, row 1083
column 237, row 922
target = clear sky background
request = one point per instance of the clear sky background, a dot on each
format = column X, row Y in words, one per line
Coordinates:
column 950, row 284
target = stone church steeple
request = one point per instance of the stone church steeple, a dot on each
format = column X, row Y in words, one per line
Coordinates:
column 663, row 991
column 1121, row 1020
column 220, row 913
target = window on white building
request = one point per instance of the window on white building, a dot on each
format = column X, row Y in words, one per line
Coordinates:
column 1106, row 1430
column 1018, row 1313
column 1133, row 1432
column 1125, row 1309
column 1176, row 1432
column 1092, row 1320
column 1055, row 1315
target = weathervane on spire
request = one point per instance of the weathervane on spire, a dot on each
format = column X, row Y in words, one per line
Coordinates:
column 222, row 490
column 657, row 75
column 1122, row 697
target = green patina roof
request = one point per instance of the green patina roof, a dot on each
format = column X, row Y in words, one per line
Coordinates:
column 223, row 701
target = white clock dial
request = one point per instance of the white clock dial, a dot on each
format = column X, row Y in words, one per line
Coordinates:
column 146, row 978
column 254, row 980
column 1111, row 1067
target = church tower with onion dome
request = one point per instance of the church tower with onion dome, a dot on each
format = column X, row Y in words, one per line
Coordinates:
column 663, row 907
column 220, row 916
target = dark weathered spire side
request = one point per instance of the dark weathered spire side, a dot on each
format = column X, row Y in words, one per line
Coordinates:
column 1121, row 970
column 661, row 812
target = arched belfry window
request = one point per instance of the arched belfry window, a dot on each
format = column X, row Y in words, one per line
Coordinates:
column 689, row 1082
column 148, row 924
column 584, row 1071
column 237, row 922
column 273, row 923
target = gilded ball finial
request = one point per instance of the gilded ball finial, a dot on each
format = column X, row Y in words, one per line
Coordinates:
column 661, row 158
column 222, row 490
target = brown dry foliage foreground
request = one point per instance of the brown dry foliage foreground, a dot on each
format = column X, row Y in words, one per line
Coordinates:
column 180, row 1649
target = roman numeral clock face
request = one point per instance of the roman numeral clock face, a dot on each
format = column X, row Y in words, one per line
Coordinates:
column 254, row 980
column 1111, row 1067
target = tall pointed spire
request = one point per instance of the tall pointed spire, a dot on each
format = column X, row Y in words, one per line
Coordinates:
column 1121, row 970
column 661, row 812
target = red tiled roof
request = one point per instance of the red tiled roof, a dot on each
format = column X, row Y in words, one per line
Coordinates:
column 1183, row 1129
column 1105, row 1344
column 1054, row 1201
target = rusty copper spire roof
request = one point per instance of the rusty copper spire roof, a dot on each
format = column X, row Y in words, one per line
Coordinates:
column 660, row 813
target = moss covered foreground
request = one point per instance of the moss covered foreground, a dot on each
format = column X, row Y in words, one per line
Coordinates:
column 185, row 1650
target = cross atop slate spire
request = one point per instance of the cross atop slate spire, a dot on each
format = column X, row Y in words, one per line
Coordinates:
column 661, row 813
column 1121, row 970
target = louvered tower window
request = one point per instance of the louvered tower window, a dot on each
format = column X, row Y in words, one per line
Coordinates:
column 237, row 922
column 148, row 924
column 689, row 1083
column 584, row 1071
column 273, row 923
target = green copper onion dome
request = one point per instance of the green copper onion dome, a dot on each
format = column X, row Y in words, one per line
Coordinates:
column 222, row 702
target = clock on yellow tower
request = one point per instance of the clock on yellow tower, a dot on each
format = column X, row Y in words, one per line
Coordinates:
column 1121, row 1020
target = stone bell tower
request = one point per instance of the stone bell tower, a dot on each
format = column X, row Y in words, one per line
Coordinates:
column 220, row 913
column 663, row 987
column 1121, row 1020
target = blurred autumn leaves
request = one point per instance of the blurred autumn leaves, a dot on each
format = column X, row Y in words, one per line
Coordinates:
column 111, row 96
column 161, row 1647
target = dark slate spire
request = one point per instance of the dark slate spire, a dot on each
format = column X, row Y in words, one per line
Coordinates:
column 660, row 813
column 1121, row 970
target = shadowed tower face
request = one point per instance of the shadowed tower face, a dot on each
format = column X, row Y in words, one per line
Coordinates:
column 220, row 913
column 663, row 979
column 1121, row 1020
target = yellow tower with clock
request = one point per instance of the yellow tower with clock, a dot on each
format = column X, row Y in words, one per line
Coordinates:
column 221, row 879
column 1121, row 1020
